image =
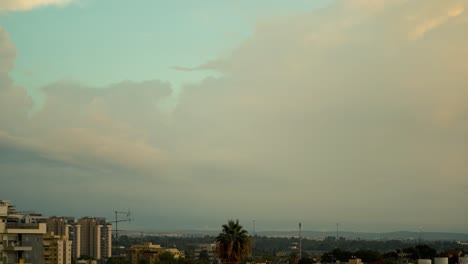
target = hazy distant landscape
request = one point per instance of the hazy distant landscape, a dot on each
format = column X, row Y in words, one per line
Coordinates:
column 317, row 235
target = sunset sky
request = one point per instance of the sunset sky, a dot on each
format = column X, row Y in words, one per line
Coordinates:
column 192, row 112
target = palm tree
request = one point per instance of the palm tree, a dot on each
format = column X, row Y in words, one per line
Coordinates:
column 233, row 243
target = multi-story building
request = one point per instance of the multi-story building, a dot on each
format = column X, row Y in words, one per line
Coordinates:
column 57, row 249
column 95, row 238
column 106, row 237
column 74, row 233
column 33, row 218
column 67, row 227
column 60, row 226
column 20, row 242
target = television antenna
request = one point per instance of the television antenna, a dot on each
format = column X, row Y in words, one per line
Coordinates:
column 124, row 218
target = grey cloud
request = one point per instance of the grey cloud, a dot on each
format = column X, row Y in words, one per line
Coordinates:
column 346, row 100
column 344, row 114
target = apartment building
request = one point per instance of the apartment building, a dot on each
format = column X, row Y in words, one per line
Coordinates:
column 57, row 249
column 94, row 237
column 20, row 242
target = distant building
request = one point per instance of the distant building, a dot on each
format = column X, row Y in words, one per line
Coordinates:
column 34, row 218
column 57, row 249
column 74, row 233
column 86, row 261
column 441, row 260
column 463, row 260
column 149, row 252
column 208, row 249
column 424, row 261
column 66, row 226
column 20, row 242
column 60, row 226
column 355, row 261
column 94, row 237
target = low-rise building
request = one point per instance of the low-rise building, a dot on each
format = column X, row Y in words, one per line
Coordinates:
column 355, row 261
column 463, row 260
column 206, row 251
column 150, row 253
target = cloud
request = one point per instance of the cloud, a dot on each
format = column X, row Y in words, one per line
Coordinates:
column 428, row 24
column 340, row 100
column 16, row 5
column 92, row 127
column 7, row 52
column 336, row 112
column 215, row 65
column 14, row 101
column 82, row 126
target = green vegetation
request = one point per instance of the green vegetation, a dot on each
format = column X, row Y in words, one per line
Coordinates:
column 278, row 249
column 233, row 243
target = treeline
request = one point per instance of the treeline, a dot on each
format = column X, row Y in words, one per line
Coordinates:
column 403, row 255
column 284, row 250
column 270, row 246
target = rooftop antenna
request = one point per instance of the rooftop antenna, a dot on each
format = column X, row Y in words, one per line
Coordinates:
column 117, row 221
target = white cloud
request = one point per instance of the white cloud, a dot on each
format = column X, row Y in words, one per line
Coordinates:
column 14, row 5
column 338, row 111
column 431, row 23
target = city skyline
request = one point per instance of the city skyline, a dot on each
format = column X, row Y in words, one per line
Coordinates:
column 189, row 114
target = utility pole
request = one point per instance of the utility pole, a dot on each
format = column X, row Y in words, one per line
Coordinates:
column 253, row 231
column 337, row 237
column 253, row 237
column 420, row 234
column 300, row 241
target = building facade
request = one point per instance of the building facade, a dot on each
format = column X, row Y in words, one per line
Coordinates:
column 93, row 238
column 57, row 249
column 206, row 251
column 20, row 242
column 150, row 253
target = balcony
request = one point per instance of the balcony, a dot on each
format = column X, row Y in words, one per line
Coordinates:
column 17, row 246
column 22, row 226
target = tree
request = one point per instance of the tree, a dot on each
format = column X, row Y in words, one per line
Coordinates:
column 118, row 260
column 233, row 243
column 166, row 257
column 368, row 256
column 306, row 260
column 204, row 257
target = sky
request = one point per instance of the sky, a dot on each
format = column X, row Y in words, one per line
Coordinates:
column 190, row 113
